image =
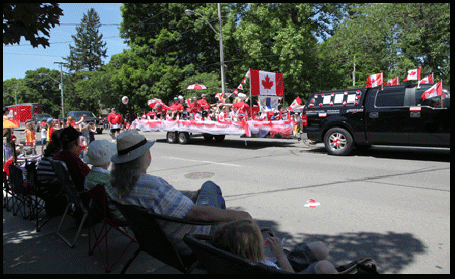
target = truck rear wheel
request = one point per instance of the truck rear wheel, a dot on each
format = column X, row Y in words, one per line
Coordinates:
column 171, row 137
column 338, row 141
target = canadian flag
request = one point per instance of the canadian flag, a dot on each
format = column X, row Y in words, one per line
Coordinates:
column 220, row 98
column 296, row 103
column 374, row 80
column 394, row 81
column 266, row 83
column 240, row 87
column 435, row 90
column 413, row 75
column 428, row 79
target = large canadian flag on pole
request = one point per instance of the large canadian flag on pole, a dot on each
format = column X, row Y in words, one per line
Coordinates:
column 266, row 83
column 374, row 80
column 413, row 75
column 435, row 90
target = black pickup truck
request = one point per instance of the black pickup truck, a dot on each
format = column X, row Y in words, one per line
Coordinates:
column 392, row 115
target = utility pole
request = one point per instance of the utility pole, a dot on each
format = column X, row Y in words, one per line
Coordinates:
column 353, row 74
column 223, row 76
column 61, row 85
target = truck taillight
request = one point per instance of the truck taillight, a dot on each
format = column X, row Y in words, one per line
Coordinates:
column 304, row 120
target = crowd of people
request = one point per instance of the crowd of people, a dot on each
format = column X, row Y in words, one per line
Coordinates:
column 121, row 167
column 220, row 111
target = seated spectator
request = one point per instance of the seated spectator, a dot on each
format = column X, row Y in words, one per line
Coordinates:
column 53, row 196
column 76, row 167
column 243, row 238
column 99, row 156
column 134, row 186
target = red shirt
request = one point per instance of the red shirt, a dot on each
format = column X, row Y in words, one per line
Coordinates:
column 203, row 103
column 193, row 108
column 77, row 168
column 177, row 107
column 114, row 118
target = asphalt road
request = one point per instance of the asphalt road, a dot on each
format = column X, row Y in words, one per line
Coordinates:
column 388, row 203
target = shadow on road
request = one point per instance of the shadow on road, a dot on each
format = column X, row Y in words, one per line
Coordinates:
column 394, row 152
column 392, row 251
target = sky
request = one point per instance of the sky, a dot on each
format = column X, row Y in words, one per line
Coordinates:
column 17, row 59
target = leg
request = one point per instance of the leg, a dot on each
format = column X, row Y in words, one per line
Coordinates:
column 210, row 195
column 325, row 267
column 319, row 250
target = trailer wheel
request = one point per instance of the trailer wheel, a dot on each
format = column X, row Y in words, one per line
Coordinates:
column 208, row 137
column 219, row 138
column 338, row 141
column 171, row 137
column 184, row 138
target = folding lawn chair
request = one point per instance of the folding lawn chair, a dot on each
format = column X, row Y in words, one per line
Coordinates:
column 101, row 209
column 152, row 239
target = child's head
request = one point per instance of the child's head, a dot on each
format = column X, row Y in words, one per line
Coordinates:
column 242, row 238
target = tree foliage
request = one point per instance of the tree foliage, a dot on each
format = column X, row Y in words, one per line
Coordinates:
column 89, row 48
column 29, row 20
column 314, row 45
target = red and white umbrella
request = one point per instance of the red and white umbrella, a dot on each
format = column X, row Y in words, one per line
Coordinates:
column 196, row 86
column 153, row 102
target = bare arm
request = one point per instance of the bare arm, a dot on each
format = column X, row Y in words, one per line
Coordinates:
column 208, row 214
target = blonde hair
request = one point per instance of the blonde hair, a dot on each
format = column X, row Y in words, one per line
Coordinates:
column 243, row 238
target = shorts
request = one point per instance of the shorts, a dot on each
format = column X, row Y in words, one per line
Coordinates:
column 43, row 141
column 115, row 130
column 302, row 259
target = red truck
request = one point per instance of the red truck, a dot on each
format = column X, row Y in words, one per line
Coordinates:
column 20, row 113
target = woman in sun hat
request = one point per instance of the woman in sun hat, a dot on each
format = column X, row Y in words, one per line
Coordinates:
column 99, row 156
column 134, row 186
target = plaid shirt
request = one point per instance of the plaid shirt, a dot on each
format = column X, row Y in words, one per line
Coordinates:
column 156, row 195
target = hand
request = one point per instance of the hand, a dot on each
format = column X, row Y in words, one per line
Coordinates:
column 275, row 246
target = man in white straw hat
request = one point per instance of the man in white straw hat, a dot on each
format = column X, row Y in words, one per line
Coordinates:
column 99, row 156
column 134, row 186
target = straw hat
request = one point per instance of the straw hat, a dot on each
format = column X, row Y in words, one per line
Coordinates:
column 130, row 145
column 100, row 152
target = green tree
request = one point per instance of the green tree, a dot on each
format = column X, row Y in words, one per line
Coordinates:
column 391, row 38
column 27, row 20
column 89, row 48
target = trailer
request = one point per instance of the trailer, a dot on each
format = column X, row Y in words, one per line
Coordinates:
column 266, row 86
column 22, row 113
column 182, row 130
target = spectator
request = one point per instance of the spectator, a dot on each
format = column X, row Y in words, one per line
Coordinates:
column 115, row 120
column 243, row 238
column 134, row 186
column 54, row 199
column 30, row 136
column 77, row 168
column 99, row 156
column 50, row 128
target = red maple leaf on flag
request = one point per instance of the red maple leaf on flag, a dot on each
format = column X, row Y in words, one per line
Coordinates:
column 267, row 83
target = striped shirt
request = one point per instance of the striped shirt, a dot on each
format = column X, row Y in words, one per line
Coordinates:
column 156, row 195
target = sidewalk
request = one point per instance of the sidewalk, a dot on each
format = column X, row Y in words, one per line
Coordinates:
column 28, row 251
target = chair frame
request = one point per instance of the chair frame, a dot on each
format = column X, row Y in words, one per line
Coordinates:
column 37, row 205
column 73, row 197
column 20, row 194
column 100, row 209
column 218, row 261
column 145, row 224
